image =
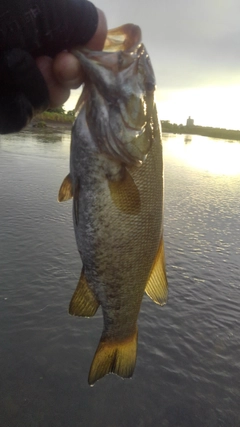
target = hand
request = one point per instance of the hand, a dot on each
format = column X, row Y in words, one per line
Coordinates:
column 64, row 72
column 38, row 36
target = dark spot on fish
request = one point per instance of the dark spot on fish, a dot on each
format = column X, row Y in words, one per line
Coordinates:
column 76, row 200
column 150, row 86
column 120, row 59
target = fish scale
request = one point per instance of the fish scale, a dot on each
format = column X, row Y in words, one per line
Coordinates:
column 117, row 206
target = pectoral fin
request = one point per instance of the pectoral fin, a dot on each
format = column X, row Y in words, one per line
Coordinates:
column 125, row 194
column 157, row 286
column 66, row 189
column 118, row 357
column 83, row 302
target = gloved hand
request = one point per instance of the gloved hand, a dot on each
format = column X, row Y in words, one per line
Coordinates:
column 33, row 74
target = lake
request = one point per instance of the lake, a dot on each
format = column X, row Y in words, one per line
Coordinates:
column 188, row 366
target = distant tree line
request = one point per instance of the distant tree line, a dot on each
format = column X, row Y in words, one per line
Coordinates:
column 200, row 130
column 61, row 110
column 60, row 115
column 54, row 115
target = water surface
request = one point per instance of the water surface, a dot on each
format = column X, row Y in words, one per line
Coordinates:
column 187, row 372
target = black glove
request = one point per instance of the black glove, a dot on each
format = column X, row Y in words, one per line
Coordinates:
column 30, row 28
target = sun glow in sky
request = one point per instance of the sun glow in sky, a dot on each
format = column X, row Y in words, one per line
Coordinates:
column 194, row 49
column 216, row 106
column 72, row 100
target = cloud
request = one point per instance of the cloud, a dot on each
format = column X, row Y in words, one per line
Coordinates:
column 190, row 42
column 194, row 48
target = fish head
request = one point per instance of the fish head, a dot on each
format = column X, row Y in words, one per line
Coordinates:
column 119, row 95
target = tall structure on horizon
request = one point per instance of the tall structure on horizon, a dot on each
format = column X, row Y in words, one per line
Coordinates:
column 190, row 122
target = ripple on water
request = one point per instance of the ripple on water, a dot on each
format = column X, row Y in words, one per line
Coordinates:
column 187, row 372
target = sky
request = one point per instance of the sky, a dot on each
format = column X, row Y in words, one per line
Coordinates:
column 194, row 46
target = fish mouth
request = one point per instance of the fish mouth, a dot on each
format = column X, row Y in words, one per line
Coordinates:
column 124, row 38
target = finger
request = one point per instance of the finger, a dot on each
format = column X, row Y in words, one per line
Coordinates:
column 57, row 93
column 98, row 39
column 67, row 70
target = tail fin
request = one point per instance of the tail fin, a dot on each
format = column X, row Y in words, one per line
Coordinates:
column 116, row 357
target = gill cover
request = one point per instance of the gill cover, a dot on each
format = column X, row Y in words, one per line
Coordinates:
column 119, row 95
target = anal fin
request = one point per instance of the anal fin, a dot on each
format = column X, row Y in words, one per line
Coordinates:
column 157, row 286
column 118, row 357
column 83, row 302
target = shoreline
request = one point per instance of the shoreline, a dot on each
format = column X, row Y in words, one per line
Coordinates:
column 49, row 124
column 41, row 122
column 219, row 133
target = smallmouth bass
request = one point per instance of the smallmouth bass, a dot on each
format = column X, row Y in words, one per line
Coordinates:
column 116, row 182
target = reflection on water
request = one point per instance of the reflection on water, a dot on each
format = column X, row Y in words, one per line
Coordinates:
column 25, row 143
column 187, row 139
column 212, row 155
column 47, row 137
column 187, row 372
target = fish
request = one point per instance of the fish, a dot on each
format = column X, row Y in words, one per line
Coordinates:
column 116, row 182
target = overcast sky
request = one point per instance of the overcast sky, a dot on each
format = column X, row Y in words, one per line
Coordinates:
column 194, row 46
